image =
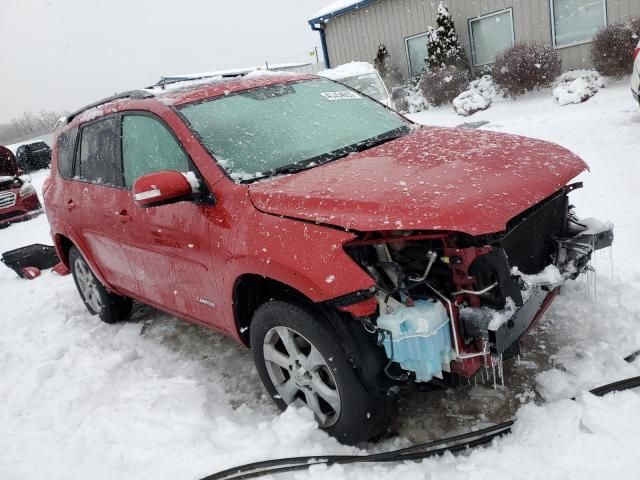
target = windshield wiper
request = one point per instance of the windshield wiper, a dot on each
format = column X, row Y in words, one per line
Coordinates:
column 336, row 154
column 380, row 139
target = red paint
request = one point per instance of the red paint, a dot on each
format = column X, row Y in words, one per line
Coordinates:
column 160, row 187
column 17, row 207
column 434, row 179
column 61, row 269
column 30, row 273
column 186, row 257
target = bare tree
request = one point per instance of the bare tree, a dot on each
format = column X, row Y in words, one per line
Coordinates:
column 28, row 125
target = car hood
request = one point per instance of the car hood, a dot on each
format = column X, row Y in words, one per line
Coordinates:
column 432, row 179
column 8, row 163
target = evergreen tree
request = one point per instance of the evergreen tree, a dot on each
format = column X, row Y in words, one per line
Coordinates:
column 443, row 45
column 386, row 68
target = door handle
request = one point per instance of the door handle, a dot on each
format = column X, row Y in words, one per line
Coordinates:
column 123, row 216
column 70, row 205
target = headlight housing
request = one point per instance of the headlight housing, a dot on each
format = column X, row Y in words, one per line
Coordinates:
column 27, row 189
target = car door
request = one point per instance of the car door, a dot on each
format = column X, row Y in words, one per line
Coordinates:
column 168, row 245
column 92, row 200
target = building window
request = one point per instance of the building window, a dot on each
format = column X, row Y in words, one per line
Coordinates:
column 490, row 34
column 416, row 53
column 576, row 21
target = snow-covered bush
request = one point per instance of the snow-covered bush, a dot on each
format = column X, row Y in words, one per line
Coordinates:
column 441, row 85
column 526, row 67
column 408, row 98
column 443, row 45
column 577, row 86
column 612, row 48
column 478, row 96
column 470, row 102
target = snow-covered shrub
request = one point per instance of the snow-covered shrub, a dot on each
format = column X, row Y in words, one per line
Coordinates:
column 612, row 48
column 409, row 98
column 577, row 86
column 470, row 102
column 442, row 85
column 443, row 44
column 478, row 96
column 526, row 67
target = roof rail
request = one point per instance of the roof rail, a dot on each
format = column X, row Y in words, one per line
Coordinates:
column 134, row 94
column 188, row 78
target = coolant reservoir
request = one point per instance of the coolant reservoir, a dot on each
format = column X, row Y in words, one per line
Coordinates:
column 418, row 338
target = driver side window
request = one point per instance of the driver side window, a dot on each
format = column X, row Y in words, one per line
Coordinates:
column 147, row 147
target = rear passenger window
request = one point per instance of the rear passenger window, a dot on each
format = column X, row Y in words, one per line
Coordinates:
column 66, row 150
column 147, row 147
column 99, row 161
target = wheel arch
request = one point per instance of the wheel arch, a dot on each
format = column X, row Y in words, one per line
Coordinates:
column 251, row 290
column 63, row 244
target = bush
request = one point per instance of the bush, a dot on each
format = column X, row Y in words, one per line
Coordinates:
column 526, row 67
column 442, row 85
column 612, row 48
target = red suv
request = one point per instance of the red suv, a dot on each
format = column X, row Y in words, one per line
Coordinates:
column 18, row 199
column 352, row 250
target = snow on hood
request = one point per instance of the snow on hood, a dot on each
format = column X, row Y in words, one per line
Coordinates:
column 434, row 179
column 347, row 70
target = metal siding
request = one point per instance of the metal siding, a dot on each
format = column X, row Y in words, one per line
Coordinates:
column 356, row 35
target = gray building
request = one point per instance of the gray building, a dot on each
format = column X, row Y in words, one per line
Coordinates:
column 353, row 30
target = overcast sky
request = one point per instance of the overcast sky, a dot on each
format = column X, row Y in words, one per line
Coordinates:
column 62, row 54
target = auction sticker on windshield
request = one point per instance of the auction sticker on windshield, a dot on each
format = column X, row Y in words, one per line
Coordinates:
column 344, row 95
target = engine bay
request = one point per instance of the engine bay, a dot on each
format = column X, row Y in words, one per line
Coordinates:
column 489, row 290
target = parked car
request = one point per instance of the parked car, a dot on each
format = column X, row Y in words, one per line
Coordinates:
column 635, row 76
column 33, row 156
column 352, row 250
column 363, row 77
column 18, row 199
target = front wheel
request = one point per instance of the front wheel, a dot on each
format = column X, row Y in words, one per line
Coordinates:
column 111, row 308
column 301, row 361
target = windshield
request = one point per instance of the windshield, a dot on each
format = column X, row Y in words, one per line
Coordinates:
column 263, row 131
column 369, row 84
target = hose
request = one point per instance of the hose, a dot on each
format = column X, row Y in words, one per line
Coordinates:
column 452, row 444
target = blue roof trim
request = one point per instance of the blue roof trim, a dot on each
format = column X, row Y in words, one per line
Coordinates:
column 343, row 11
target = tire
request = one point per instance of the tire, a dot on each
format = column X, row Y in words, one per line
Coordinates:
column 111, row 308
column 301, row 360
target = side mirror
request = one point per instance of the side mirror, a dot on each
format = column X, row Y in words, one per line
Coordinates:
column 160, row 188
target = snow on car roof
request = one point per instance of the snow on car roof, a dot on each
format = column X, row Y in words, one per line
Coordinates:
column 183, row 91
column 347, row 70
column 235, row 71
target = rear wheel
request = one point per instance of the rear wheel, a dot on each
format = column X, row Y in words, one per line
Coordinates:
column 301, row 361
column 109, row 307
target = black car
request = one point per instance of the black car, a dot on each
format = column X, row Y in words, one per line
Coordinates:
column 33, row 156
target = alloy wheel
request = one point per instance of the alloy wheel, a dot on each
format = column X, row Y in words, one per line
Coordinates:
column 300, row 374
column 88, row 285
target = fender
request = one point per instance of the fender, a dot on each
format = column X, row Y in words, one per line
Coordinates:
column 61, row 228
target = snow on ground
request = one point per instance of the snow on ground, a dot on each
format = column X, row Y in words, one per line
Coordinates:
column 159, row 399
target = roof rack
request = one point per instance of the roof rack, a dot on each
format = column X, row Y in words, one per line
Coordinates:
column 188, row 78
column 134, row 94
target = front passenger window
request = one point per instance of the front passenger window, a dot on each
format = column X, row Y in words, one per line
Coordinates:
column 147, row 147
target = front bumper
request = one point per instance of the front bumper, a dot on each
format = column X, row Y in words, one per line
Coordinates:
column 23, row 210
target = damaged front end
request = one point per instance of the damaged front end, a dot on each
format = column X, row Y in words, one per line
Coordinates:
column 455, row 302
